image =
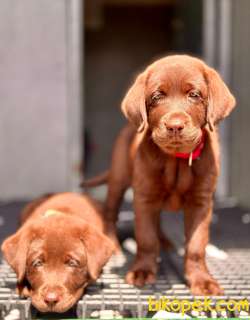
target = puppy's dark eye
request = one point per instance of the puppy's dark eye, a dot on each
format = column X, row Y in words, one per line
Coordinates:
column 37, row 263
column 156, row 96
column 72, row 263
column 194, row 94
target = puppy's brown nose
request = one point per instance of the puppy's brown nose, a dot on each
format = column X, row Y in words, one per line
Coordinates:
column 51, row 298
column 174, row 126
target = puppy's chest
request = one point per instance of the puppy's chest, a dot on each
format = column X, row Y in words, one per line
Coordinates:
column 177, row 179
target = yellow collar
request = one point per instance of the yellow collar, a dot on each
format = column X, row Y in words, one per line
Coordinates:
column 51, row 212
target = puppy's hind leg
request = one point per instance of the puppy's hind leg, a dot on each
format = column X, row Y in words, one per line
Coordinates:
column 116, row 190
column 118, row 182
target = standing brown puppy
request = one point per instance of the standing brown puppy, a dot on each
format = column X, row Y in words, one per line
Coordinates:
column 172, row 161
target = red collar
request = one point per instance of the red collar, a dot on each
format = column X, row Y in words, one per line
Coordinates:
column 195, row 153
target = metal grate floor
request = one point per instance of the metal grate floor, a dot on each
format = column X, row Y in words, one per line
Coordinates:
column 111, row 297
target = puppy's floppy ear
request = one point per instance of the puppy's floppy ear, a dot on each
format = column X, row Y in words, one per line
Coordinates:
column 15, row 249
column 220, row 100
column 134, row 104
column 98, row 248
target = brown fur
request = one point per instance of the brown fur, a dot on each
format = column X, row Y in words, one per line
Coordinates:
column 56, row 256
column 170, row 104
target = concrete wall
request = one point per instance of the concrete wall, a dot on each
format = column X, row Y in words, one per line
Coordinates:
column 240, row 182
column 33, row 96
column 36, row 153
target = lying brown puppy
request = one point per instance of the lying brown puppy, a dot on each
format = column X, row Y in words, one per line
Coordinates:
column 58, row 250
column 172, row 161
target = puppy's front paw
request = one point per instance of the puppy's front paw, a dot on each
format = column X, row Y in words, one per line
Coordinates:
column 142, row 272
column 140, row 277
column 205, row 286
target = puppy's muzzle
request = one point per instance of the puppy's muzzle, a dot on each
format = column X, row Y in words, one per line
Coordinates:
column 52, row 296
column 175, row 124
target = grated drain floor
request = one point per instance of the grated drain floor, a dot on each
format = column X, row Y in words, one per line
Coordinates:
column 111, row 297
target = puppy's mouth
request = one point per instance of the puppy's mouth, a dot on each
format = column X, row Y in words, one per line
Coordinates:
column 65, row 304
column 176, row 143
column 184, row 143
column 61, row 307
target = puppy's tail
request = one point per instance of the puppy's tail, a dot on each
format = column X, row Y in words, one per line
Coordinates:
column 96, row 181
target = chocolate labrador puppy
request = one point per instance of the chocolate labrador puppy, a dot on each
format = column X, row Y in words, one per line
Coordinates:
column 58, row 250
column 170, row 155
